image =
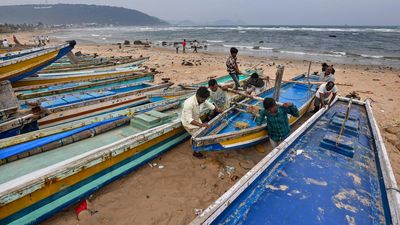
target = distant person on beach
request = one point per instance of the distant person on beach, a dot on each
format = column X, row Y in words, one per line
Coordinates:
column 232, row 67
column 47, row 39
column 323, row 96
column 184, row 46
column 254, row 84
column 5, row 43
column 328, row 75
column 42, row 40
column 217, row 95
column 277, row 119
column 195, row 46
column 176, row 45
column 191, row 113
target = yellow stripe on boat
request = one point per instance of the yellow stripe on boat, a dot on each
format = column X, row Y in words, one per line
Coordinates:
column 19, row 68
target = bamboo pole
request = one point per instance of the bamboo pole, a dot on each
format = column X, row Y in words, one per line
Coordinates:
column 311, row 82
column 278, row 81
column 344, row 121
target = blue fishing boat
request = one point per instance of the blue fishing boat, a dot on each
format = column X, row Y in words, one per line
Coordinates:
column 334, row 169
column 225, row 133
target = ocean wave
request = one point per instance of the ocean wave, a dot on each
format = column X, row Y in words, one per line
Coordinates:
column 339, row 53
column 307, row 53
column 215, row 41
column 372, row 56
column 248, row 47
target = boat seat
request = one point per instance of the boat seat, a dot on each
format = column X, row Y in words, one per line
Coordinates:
column 54, row 103
column 151, row 119
column 351, row 127
column 345, row 145
column 100, row 94
column 71, row 99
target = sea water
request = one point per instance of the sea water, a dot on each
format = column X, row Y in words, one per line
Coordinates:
column 336, row 44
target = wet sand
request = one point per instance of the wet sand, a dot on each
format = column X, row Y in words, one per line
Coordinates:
column 171, row 195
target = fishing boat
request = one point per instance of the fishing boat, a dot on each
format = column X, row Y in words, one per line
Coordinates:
column 27, row 65
column 224, row 132
column 334, row 169
column 74, row 106
column 99, row 63
column 77, row 76
column 35, row 91
column 41, row 176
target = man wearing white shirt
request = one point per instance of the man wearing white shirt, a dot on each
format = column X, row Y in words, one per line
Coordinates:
column 191, row 113
column 323, row 96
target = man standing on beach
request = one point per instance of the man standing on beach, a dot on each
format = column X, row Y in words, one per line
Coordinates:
column 277, row 119
column 232, row 67
column 191, row 113
column 195, row 45
column 323, row 94
column 184, row 46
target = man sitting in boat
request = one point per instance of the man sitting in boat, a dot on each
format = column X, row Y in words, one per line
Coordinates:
column 328, row 75
column 233, row 68
column 254, row 84
column 277, row 119
column 323, row 95
column 193, row 107
column 217, row 95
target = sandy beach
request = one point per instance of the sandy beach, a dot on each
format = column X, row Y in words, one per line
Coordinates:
column 172, row 194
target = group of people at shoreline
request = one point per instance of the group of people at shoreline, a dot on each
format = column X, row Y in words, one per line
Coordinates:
column 214, row 98
column 194, row 44
column 40, row 40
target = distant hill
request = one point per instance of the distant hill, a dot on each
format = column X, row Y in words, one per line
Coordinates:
column 77, row 14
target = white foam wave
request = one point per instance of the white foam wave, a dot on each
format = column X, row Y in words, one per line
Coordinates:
column 214, row 41
column 372, row 56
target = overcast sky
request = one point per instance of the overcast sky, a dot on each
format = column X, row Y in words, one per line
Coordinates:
column 256, row 12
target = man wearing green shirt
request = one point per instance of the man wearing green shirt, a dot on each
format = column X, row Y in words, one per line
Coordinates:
column 277, row 119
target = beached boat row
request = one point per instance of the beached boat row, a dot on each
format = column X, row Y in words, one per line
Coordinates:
column 106, row 122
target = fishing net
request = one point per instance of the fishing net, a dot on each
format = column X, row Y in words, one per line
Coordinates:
column 242, row 125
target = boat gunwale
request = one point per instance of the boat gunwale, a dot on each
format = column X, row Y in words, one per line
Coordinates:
column 391, row 186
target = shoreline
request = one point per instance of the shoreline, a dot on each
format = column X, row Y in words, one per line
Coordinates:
column 186, row 183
